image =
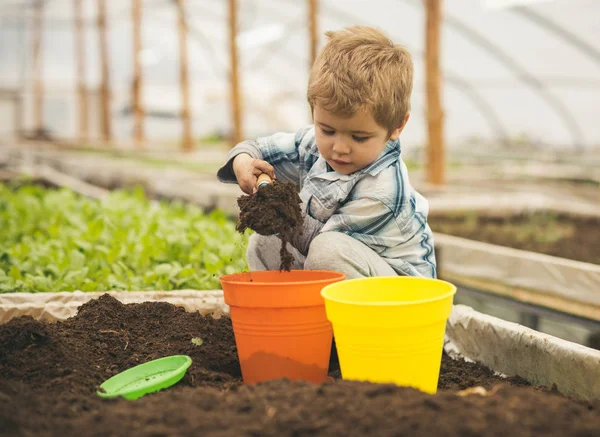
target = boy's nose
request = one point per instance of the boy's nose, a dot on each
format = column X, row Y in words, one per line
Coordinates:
column 341, row 147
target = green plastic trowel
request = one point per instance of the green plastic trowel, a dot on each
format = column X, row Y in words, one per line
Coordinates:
column 146, row 378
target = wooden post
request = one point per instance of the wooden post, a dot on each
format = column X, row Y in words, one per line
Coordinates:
column 435, row 116
column 188, row 143
column 80, row 61
column 38, row 85
column 105, row 120
column 236, row 98
column 138, row 112
column 313, row 7
column 18, row 115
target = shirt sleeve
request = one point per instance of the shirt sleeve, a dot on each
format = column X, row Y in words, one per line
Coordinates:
column 288, row 153
column 362, row 219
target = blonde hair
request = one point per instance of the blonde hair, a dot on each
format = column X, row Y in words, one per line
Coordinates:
column 360, row 68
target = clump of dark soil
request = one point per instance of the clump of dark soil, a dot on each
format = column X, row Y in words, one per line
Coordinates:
column 561, row 235
column 273, row 210
column 50, row 372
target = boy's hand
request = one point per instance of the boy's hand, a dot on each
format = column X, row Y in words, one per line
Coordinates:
column 247, row 169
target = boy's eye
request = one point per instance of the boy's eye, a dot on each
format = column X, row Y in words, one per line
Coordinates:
column 327, row 132
column 360, row 139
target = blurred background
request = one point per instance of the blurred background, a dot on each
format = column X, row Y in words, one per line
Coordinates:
column 514, row 74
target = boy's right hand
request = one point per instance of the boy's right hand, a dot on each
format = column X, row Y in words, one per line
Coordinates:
column 247, row 169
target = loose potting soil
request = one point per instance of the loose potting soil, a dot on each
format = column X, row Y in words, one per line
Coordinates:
column 273, row 209
column 50, row 372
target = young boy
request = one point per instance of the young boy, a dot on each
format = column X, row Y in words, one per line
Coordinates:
column 362, row 216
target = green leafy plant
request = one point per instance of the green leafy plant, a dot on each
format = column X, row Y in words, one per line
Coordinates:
column 56, row 240
column 197, row 341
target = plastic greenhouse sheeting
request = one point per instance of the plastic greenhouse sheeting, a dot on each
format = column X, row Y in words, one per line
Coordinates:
column 528, row 73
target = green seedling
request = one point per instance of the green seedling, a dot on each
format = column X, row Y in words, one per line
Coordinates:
column 56, row 240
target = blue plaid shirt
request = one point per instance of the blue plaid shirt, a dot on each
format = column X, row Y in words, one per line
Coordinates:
column 376, row 205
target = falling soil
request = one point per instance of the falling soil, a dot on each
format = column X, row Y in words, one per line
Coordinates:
column 543, row 232
column 273, row 210
column 50, row 372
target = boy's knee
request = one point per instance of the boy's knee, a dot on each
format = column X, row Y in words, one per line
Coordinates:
column 262, row 252
column 325, row 251
column 259, row 242
column 254, row 242
column 263, row 245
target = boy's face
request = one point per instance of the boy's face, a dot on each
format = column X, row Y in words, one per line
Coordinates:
column 350, row 144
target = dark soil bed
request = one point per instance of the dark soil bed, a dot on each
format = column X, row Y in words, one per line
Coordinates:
column 49, row 373
column 543, row 232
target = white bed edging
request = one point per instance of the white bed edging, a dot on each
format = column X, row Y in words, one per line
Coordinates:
column 512, row 349
column 550, row 277
column 62, row 305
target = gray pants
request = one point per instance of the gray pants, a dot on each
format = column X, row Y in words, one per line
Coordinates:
column 328, row 251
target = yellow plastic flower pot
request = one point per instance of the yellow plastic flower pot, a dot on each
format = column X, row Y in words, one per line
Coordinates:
column 390, row 329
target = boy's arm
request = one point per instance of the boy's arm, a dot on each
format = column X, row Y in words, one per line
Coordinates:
column 225, row 173
column 284, row 151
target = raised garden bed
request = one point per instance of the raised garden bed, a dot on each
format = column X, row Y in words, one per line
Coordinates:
column 549, row 233
column 524, row 257
column 50, row 372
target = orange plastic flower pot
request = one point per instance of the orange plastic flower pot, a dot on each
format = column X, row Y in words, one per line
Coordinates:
column 279, row 321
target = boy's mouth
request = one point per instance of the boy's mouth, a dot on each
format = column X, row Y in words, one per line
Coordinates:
column 341, row 163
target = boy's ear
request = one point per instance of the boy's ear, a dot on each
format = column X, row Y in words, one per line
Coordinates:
column 396, row 132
